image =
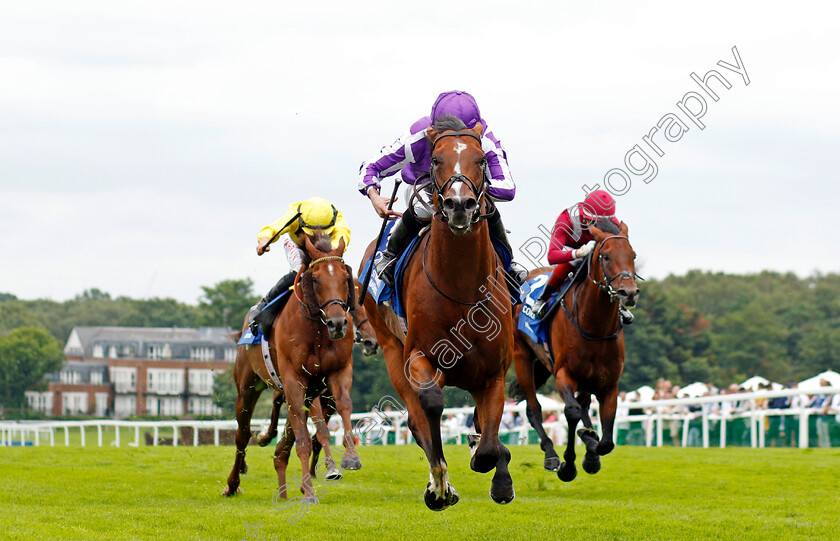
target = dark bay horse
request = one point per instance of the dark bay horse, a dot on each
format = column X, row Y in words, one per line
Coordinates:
column 458, row 313
column 587, row 343
column 311, row 351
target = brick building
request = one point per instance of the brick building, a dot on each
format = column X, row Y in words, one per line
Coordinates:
column 122, row 371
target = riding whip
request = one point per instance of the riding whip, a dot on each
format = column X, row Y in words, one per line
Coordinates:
column 366, row 281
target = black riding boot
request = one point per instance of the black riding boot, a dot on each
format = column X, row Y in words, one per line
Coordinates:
column 282, row 285
column 542, row 301
column 402, row 234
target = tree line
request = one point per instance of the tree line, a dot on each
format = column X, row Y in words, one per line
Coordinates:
column 701, row 326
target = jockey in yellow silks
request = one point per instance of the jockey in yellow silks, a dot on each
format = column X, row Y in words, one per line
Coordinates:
column 308, row 217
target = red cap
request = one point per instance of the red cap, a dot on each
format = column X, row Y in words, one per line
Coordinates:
column 598, row 204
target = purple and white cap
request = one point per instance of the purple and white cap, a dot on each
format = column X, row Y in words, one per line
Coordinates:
column 459, row 104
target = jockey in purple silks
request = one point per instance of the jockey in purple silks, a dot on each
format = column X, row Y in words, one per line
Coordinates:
column 410, row 155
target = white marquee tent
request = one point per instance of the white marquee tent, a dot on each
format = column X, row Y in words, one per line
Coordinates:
column 753, row 383
column 698, row 388
column 814, row 383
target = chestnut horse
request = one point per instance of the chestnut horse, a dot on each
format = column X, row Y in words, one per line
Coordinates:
column 458, row 311
column 311, row 351
column 323, row 407
column 587, row 343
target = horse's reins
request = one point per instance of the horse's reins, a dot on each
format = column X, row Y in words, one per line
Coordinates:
column 605, row 285
column 439, row 190
column 322, row 316
column 435, row 286
column 358, row 338
column 480, row 190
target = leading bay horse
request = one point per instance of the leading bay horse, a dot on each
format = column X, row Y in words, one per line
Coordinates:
column 458, row 314
column 310, row 350
column 587, row 343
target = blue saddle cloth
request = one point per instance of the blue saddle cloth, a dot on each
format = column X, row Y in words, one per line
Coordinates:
column 381, row 292
column 536, row 329
column 378, row 289
column 249, row 338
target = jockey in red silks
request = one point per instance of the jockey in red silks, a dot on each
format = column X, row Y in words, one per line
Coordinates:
column 571, row 242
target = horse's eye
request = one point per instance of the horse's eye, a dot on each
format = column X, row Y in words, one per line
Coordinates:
column 435, row 161
column 606, row 257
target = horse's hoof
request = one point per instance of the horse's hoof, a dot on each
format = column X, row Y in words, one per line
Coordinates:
column 552, row 463
column 502, row 495
column 333, row 475
column 264, row 439
column 310, row 499
column 450, row 498
column 502, row 500
column 472, row 441
column 591, row 466
column 567, row 472
column 228, row 492
column 605, row 447
column 485, row 461
column 351, row 463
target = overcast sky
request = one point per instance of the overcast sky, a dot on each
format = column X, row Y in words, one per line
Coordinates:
column 143, row 145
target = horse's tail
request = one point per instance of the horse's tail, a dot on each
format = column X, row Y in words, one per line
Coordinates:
column 514, row 391
column 236, row 336
column 541, row 375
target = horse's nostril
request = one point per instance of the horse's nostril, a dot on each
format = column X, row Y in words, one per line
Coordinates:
column 448, row 204
column 470, row 205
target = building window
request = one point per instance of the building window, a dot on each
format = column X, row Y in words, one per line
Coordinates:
column 96, row 378
column 165, row 381
column 230, row 354
column 123, row 379
column 202, row 354
column 97, row 351
column 112, row 352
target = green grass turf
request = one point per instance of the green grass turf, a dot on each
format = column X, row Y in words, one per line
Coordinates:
column 175, row 493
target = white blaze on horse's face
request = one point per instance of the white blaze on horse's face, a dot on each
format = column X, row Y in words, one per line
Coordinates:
column 331, row 269
column 459, row 147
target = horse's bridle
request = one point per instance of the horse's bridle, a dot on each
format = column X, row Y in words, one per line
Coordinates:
column 606, row 284
column 480, row 190
column 305, row 308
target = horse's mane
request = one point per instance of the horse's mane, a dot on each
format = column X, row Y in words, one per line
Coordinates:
column 607, row 226
column 449, row 123
column 321, row 242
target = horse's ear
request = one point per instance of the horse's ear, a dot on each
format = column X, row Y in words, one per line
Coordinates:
column 307, row 244
column 597, row 233
column 623, row 229
column 341, row 246
column 432, row 134
column 478, row 129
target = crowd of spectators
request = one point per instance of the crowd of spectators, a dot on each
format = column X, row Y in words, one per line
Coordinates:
column 781, row 426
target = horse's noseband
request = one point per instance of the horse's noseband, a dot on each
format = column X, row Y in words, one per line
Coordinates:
column 606, row 283
column 478, row 189
column 322, row 315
